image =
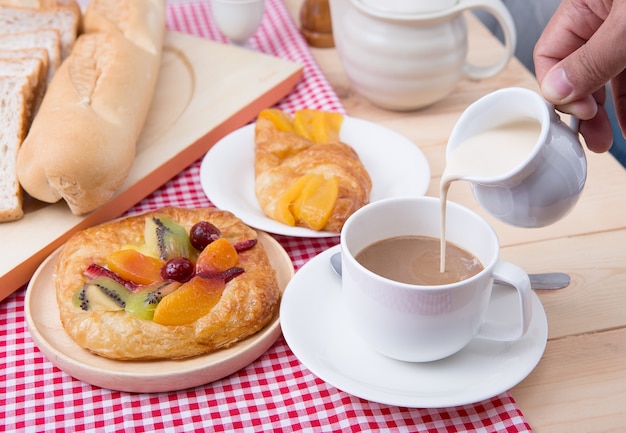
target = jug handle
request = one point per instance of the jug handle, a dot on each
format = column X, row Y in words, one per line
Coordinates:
column 503, row 16
column 574, row 122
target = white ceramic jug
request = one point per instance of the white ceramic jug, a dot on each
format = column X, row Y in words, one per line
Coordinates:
column 547, row 183
column 406, row 54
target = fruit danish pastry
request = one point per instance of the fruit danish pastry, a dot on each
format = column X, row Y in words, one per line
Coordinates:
column 304, row 175
column 167, row 284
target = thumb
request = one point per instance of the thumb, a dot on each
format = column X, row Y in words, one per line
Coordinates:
column 573, row 80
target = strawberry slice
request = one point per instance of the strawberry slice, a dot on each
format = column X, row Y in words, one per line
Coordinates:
column 226, row 275
column 95, row 270
column 242, row 246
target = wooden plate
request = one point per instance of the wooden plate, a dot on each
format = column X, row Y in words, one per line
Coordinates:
column 42, row 320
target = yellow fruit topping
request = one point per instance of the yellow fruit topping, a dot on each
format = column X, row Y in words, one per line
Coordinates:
column 318, row 126
column 316, row 201
column 189, row 302
column 142, row 248
column 134, row 266
column 309, row 200
column 279, row 118
column 283, row 212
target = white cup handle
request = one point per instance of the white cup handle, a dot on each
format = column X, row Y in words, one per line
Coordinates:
column 503, row 16
column 516, row 277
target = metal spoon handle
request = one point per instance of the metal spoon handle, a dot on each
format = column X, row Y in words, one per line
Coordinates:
column 549, row 280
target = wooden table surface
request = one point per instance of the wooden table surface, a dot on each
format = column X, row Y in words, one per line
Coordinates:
column 580, row 383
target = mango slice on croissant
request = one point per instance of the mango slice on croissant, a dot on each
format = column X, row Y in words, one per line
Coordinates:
column 318, row 126
column 305, row 176
column 281, row 120
column 310, row 200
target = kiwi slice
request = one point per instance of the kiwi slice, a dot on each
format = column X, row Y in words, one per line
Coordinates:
column 102, row 293
column 142, row 303
column 168, row 239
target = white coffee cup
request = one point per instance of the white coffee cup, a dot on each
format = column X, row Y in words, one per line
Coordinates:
column 426, row 323
column 548, row 183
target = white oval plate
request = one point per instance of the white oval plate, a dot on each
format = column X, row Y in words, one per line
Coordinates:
column 316, row 328
column 44, row 325
column 395, row 164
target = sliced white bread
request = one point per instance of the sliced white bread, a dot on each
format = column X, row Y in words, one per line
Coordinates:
column 27, row 55
column 31, row 4
column 13, row 127
column 33, row 70
column 40, row 4
column 65, row 20
column 48, row 39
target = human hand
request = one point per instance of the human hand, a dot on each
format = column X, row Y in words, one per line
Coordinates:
column 582, row 48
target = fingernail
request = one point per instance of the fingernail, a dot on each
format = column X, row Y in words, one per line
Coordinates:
column 555, row 85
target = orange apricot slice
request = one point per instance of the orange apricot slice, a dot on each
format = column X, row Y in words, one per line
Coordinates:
column 217, row 257
column 134, row 266
column 189, row 302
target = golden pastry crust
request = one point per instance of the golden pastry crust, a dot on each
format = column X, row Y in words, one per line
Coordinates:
column 248, row 302
column 283, row 157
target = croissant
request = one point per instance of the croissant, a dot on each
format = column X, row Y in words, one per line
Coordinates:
column 304, row 175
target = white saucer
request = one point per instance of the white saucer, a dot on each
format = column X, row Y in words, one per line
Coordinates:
column 396, row 166
column 318, row 332
column 42, row 319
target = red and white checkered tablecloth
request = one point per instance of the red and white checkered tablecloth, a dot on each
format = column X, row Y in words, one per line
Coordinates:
column 274, row 393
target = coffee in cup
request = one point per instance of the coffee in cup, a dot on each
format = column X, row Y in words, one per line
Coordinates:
column 416, row 260
column 422, row 322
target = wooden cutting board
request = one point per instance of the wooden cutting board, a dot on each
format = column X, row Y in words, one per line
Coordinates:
column 205, row 90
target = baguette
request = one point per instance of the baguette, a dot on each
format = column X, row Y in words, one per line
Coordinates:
column 81, row 145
